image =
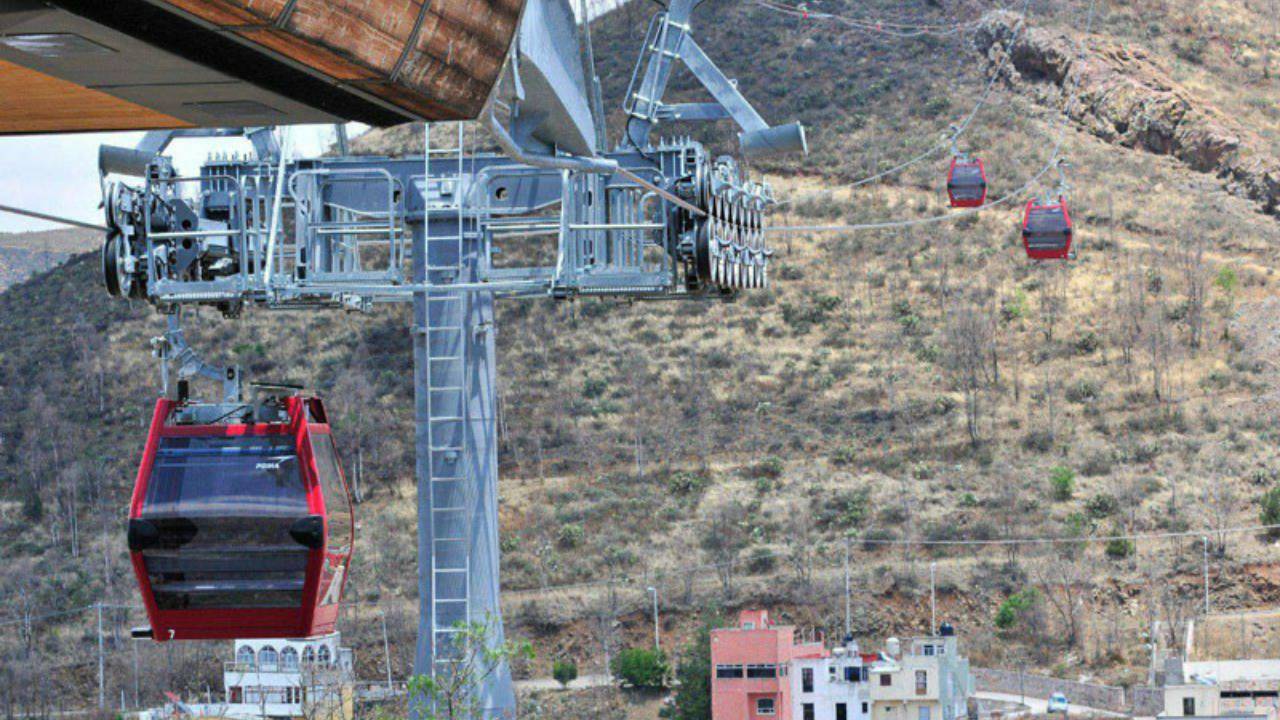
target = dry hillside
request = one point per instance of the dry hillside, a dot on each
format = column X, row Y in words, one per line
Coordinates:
column 894, row 388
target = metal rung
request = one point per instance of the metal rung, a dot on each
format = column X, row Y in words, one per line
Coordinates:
column 447, row 449
column 446, row 571
column 451, row 539
column 449, row 418
column 444, row 358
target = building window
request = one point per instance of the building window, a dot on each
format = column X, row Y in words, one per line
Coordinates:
column 288, row 659
column 851, row 673
column 1189, row 706
column 886, row 679
column 842, row 711
column 235, row 695
column 924, row 712
column 748, row 626
column 806, row 680
column 267, row 657
column 308, row 655
column 244, row 656
column 928, row 650
column 807, row 711
column 726, row 672
column 922, row 682
column 762, row 671
column 863, row 674
column 764, row 706
column 322, row 655
column 864, row 708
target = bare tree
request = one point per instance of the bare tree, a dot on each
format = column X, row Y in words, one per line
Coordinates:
column 969, row 340
column 1189, row 257
column 724, row 537
column 1064, row 578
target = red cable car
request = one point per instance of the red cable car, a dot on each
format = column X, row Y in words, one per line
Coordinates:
column 967, row 182
column 241, row 528
column 1047, row 231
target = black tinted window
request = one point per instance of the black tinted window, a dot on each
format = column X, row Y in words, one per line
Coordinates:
column 226, row 476
column 335, row 493
column 223, row 508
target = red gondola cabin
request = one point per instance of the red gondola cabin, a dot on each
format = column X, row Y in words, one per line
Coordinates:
column 967, row 183
column 241, row 529
column 1047, row 231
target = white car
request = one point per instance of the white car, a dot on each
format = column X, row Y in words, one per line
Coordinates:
column 1058, row 703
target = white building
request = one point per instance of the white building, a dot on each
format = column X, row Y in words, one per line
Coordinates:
column 308, row 678
column 927, row 680
column 833, row 687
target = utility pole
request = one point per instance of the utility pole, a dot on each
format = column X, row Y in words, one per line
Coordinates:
column 848, row 609
column 386, row 650
column 102, row 675
column 1206, row 574
column 657, row 643
column 933, row 598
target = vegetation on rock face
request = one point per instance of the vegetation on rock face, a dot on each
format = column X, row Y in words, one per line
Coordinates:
column 641, row 668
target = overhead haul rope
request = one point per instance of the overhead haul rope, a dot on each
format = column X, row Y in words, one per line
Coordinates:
column 51, row 218
column 957, row 130
column 883, row 27
column 1019, row 192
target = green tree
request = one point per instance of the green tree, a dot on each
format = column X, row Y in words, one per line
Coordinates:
column 641, row 668
column 451, row 694
column 1062, row 481
column 1269, row 510
column 564, row 671
column 693, row 696
column 1014, row 607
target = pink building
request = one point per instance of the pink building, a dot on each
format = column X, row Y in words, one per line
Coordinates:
column 749, row 668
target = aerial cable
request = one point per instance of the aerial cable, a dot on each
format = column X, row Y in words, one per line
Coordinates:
column 902, row 30
column 949, row 140
column 51, row 218
column 1019, row 192
column 1050, row 540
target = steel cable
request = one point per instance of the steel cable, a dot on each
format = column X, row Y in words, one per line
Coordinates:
column 1069, row 97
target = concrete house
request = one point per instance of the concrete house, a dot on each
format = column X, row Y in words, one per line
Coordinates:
column 928, row 679
column 750, row 678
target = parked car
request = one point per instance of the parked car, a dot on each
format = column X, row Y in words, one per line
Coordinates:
column 1058, row 703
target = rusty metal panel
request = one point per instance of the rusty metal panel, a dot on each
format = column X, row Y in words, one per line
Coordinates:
column 437, row 61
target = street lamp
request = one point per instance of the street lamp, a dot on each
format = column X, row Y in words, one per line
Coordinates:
column 657, row 643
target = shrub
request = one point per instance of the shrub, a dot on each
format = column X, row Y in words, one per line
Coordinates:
column 640, row 668
column 1040, row 441
column 1119, row 548
column 1013, row 608
column 1088, row 343
column 564, row 671
column 845, row 509
column 1062, row 482
column 1269, row 510
column 968, row 500
column 1101, row 506
column 594, row 388
column 770, row 467
column 571, row 535
column 683, row 482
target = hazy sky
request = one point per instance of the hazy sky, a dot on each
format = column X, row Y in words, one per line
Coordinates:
column 58, row 174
